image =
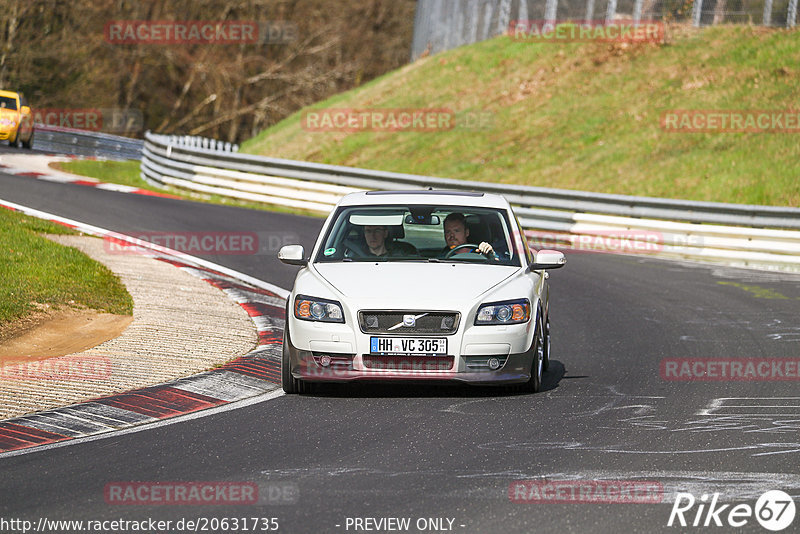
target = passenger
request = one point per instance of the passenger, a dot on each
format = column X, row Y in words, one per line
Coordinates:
column 375, row 236
column 378, row 244
column 456, row 234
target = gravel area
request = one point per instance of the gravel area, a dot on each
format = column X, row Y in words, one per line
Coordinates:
column 181, row 326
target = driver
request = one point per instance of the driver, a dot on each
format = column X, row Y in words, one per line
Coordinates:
column 456, row 234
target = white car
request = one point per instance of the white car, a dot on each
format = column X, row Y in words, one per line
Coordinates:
column 421, row 308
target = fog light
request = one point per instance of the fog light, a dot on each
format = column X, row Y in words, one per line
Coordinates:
column 325, row 360
column 494, row 364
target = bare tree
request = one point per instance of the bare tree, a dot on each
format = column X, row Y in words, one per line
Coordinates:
column 719, row 11
column 56, row 51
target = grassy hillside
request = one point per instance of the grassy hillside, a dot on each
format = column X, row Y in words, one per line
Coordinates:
column 583, row 116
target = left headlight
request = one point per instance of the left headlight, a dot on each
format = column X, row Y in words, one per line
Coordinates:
column 317, row 309
column 505, row 312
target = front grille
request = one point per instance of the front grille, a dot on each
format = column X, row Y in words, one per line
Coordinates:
column 409, row 363
column 392, row 322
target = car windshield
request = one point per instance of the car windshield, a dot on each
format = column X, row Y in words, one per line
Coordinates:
column 8, row 102
column 417, row 233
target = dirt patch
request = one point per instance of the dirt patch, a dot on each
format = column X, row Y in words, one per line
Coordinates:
column 51, row 333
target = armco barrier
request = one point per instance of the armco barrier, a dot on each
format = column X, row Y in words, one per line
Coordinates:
column 85, row 143
column 735, row 234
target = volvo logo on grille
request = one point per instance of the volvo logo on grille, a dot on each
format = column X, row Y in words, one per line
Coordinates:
column 409, row 320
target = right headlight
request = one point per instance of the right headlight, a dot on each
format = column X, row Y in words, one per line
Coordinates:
column 317, row 309
column 504, row 312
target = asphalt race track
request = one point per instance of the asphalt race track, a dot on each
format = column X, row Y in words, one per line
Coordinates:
column 452, row 452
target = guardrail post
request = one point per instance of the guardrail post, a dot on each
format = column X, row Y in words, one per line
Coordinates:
column 791, row 14
column 767, row 13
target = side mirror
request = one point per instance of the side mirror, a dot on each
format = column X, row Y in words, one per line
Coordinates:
column 548, row 259
column 292, row 255
column 25, row 110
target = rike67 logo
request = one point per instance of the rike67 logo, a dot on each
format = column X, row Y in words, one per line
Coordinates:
column 774, row 510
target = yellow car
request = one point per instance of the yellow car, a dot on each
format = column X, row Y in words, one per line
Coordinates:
column 16, row 120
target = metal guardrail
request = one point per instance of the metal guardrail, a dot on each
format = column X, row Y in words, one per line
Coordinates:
column 85, row 143
column 733, row 233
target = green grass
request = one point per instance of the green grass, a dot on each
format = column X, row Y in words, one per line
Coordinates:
column 36, row 271
column 117, row 172
column 583, row 116
column 127, row 173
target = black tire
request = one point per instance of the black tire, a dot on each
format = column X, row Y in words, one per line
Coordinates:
column 537, row 348
column 288, row 382
column 15, row 142
column 546, row 362
column 29, row 143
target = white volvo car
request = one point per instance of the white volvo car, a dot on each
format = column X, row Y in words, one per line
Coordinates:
column 418, row 285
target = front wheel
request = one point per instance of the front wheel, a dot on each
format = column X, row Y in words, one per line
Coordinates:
column 288, row 382
column 537, row 365
column 546, row 345
column 15, row 142
column 29, row 143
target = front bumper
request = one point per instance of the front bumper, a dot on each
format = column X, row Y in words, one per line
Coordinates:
column 343, row 356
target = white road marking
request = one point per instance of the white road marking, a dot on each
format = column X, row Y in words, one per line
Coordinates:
column 150, row 426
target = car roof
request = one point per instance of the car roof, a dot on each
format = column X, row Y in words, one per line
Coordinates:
column 12, row 94
column 424, row 196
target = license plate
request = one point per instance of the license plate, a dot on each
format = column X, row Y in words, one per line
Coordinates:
column 389, row 346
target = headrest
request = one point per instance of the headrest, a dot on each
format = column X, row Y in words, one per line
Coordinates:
column 396, row 232
column 478, row 230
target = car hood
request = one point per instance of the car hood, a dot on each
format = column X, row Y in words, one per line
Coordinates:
column 408, row 281
column 6, row 113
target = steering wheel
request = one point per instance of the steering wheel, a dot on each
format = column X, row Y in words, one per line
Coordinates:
column 459, row 247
